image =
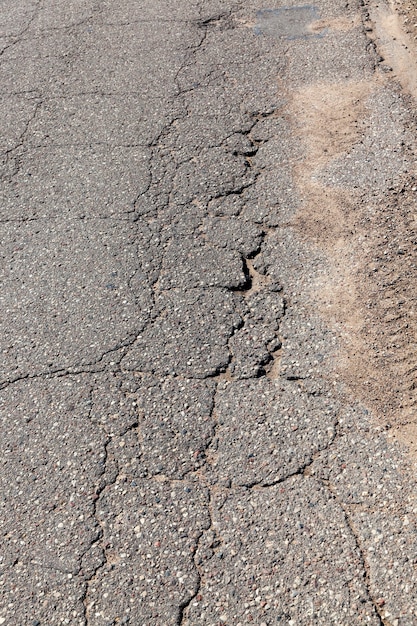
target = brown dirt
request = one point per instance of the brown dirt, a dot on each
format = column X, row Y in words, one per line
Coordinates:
column 407, row 17
column 369, row 296
column 396, row 42
column 341, row 24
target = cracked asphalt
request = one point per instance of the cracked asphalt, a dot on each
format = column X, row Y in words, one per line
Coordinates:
column 193, row 292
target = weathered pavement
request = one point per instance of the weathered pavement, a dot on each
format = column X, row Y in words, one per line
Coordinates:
column 207, row 332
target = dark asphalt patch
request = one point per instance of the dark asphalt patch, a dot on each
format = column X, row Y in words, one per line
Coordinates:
column 288, row 22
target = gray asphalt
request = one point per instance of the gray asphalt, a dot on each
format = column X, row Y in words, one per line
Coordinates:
column 176, row 446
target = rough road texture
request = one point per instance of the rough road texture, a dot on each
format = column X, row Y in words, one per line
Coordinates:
column 207, row 332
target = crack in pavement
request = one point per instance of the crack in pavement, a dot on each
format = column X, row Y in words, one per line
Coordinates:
column 206, row 433
column 362, row 551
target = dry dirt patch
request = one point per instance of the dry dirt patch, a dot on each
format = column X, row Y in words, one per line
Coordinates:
column 369, row 295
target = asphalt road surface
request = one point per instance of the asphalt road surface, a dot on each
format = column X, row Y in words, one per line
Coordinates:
column 208, row 278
